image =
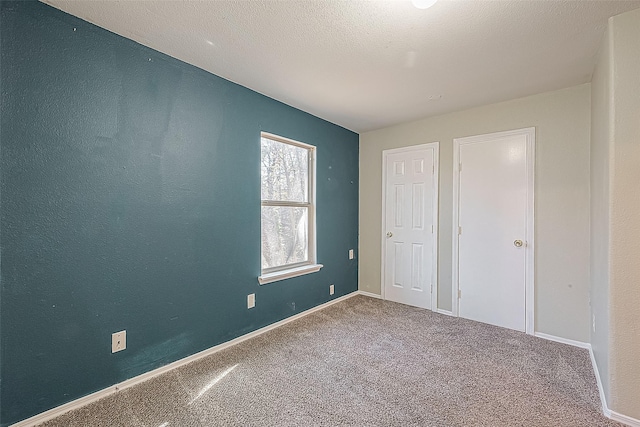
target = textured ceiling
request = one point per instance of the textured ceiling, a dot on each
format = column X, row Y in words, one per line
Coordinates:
column 370, row 64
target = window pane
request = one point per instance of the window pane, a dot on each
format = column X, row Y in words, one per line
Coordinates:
column 285, row 172
column 284, row 235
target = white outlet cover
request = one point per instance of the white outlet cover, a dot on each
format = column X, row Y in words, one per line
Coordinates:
column 350, row 253
column 251, row 300
column 331, row 290
column 118, row 341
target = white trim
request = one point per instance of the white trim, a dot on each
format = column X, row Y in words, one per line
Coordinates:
column 561, row 340
column 436, row 225
column 530, row 134
column 63, row 409
column 435, row 146
column 455, row 285
column 530, row 234
column 286, row 140
column 632, row 422
column 615, row 416
column 383, row 224
column 369, row 294
column 603, row 397
column 624, row 419
column 78, row 403
column 289, row 273
column 282, row 272
column 445, row 312
column 75, row 404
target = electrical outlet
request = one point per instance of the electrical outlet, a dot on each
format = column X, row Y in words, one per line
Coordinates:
column 331, row 290
column 251, row 300
column 118, row 341
column 350, row 253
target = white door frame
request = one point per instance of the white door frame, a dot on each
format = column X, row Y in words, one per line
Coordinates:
column 435, row 146
column 530, row 134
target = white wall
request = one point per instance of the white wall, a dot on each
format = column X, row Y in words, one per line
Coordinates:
column 601, row 157
column 615, row 213
column 625, row 217
column 562, row 121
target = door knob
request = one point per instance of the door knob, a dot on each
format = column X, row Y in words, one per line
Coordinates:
column 517, row 243
column 389, row 234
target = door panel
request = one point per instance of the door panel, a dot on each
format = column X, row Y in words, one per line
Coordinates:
column 398, row 267
column 409, row 255
column 492, row 217
column 417, row 267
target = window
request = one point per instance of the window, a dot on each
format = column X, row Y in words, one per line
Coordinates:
column 288, row 210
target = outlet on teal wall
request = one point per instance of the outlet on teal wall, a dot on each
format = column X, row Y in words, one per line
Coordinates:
column 130, row 200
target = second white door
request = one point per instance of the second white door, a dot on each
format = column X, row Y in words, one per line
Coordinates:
column 410, row 211
column 494, row 234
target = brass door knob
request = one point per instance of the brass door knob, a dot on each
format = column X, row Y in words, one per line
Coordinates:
column 517, row 243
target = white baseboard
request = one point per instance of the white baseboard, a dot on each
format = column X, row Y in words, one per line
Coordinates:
column 563, row 340
column 59, row 410
column 369, row 294
column 631, row 422
column 75, row 404
column 372, row 295
column 624, row 419
column 603, row 398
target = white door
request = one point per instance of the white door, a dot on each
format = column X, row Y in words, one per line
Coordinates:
column 494, row 235
column 410, row 211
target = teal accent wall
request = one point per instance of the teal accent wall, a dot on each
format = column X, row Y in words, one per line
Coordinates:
column 130, row 199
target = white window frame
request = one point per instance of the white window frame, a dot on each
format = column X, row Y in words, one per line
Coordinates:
column 274, row 274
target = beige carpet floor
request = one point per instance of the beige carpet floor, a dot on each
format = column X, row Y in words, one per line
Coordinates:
column 367, row 362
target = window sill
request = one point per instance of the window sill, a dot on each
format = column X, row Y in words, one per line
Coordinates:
column 289, row 273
